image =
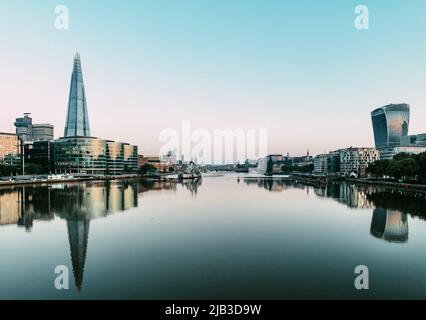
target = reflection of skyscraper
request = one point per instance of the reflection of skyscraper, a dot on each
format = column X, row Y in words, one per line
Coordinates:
column 78, row 235
column 77, row 124
column 390, row 225
column 390, row 123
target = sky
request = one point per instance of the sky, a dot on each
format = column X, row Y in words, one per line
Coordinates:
column 299, row 69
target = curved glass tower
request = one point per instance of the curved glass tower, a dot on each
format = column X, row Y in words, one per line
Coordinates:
column 77, row 124
column 390, row 123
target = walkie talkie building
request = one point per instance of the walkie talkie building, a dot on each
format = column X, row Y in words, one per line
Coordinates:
column 390, row 123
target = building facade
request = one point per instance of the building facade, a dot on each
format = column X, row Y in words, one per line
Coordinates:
column 155, row 161
column 271, row 164
column 321, row 164
column 80, row 155
column 412, row 144
column 357, row 160
column 9, row 149
column 94, row 156
column 42, row 132
column 121, row 158
column 40, row 153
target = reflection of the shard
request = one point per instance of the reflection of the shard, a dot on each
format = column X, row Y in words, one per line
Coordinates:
column 78, row 236
column 390, row 225
column 78, row 204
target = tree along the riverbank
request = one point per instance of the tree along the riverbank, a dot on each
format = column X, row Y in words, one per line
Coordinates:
column 8, row 170
column 407, row 166
column 303, row 169
column 147, row 168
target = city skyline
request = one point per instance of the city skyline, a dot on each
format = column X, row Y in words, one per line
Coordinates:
column 243, row 67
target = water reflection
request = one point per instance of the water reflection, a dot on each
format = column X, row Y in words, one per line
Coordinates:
column 390, row 206
column 78, row 204
column 390, row 225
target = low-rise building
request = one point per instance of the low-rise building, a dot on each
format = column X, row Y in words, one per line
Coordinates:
column 90, row 155
column 155, row 161
column 412, row 144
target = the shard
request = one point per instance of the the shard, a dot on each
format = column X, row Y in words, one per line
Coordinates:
column 77, row 123
column 78, row 234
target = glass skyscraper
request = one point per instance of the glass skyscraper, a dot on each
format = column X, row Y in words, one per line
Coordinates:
column 80, row 153
column 77, row 124
column 390, row 123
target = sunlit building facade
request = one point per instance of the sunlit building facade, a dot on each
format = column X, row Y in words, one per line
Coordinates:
column 86, row 155
column 94, row 156
column 121, row 157
column 9, row 149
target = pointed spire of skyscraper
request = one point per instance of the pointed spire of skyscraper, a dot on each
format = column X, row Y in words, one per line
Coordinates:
column 77, row 123
column 78, row 235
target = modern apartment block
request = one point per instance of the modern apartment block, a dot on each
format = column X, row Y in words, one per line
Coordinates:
column 357, row 160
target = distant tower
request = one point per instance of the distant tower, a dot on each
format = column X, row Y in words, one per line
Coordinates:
column 77, row 124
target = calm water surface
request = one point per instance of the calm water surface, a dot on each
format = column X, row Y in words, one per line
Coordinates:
column 221, row 238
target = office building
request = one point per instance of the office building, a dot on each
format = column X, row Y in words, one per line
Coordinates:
column 42, row 132
column 24, row 127
column 29, row 132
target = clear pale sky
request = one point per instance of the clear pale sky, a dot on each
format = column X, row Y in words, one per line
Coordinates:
column 297, row 68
